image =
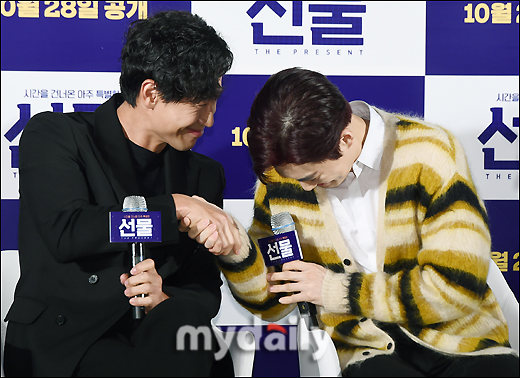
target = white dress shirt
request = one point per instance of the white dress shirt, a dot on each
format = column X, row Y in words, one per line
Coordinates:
column 354, row 201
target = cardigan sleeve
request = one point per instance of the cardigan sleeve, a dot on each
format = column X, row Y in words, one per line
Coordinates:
column 246, row 272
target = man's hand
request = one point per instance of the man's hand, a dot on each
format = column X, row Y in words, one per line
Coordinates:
column 207, row 224
column 306, row 281
column 144, row 280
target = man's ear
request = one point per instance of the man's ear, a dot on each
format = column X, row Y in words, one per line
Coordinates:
column 347, row 137
column 148, row 94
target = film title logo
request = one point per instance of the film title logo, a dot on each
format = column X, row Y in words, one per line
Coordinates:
column 279, row 249
column 332, row 24
column 129, row 227
column 497, row 126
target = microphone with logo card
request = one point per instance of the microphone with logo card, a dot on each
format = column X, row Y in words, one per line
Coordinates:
column 135, row 225
column 282, row 247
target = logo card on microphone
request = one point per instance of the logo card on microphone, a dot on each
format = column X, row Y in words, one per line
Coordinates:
column 279, row 249
column 132, row 227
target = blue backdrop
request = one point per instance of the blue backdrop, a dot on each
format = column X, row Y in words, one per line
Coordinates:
column 452, row 62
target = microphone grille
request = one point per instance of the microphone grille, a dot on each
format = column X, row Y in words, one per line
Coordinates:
column 134, row 203
column 282, row 222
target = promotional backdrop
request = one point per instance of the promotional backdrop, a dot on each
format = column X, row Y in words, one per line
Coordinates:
column 455, row 63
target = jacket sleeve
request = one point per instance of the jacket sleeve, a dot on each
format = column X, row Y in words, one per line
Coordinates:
column 246, row 272
column 198, row 278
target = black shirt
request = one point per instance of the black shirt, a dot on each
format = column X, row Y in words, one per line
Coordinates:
column 149, row 167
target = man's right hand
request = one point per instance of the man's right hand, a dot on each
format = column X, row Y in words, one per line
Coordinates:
column 207, row 224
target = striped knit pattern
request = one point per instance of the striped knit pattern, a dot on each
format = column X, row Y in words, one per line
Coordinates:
column 433, row 253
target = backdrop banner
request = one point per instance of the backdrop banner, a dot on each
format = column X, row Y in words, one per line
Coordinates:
column 455, row 63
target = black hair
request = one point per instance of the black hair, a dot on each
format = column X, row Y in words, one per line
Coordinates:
column 180, row 52
column 296, row 118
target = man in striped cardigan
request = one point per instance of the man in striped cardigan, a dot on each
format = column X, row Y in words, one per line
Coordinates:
column 395, row 238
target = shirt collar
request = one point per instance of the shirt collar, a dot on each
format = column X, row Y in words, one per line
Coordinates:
column 373, row 148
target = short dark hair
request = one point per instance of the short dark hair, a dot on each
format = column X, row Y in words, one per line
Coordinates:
column 180, row 52
column 296, row 118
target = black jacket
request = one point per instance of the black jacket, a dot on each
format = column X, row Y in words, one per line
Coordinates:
column 75, row 169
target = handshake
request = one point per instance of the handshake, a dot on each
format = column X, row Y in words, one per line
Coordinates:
column 207, row 224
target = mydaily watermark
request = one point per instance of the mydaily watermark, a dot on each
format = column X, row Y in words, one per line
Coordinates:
column 273, row 337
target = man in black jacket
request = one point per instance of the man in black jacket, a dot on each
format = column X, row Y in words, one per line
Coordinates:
column 72, row 310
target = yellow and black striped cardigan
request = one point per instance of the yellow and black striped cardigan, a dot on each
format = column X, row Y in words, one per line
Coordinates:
column 433, row 253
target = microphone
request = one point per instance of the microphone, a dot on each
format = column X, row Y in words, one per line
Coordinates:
column 279, row 249
column 137, row 250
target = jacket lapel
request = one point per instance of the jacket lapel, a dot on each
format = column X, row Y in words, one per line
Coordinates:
column 116, row 157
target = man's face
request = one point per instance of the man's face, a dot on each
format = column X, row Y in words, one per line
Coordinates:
column 327, row 174
column 181, row 124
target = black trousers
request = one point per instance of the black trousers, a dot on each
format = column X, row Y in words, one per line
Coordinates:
column 413, row 360
column 149, row 347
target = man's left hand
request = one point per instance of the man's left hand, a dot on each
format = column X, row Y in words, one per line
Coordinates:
column 305, row 280
column 144, row 280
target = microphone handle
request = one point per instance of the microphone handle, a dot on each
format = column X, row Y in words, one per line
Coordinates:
column 138, row 254
column 307, row 310
column 309, row 314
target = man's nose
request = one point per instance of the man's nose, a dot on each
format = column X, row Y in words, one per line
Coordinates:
column 307, row 187
column 207, row 112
